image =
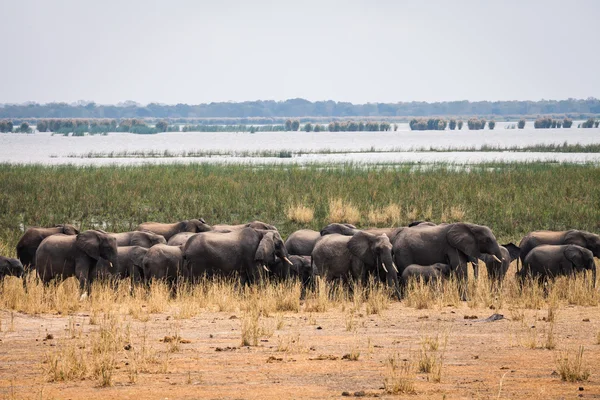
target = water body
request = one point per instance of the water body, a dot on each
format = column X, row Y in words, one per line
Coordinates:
column 47, row 149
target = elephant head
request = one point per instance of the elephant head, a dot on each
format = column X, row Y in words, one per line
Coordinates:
column 473, row 240
column 270, row 246
column 68, row 229
column 141, row 238
column 444, row 269
column 585, row 239
column 10, row 267
column 342, row 229
column 581, row 259
column 97, row 245
column 197, row 225
column 376, row 252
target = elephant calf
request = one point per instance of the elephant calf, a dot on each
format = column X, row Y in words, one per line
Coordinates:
column 428, row 273
column 549, row 261
column 300, row 268
column 163, row 262
column 497, row 270
column 10, row 267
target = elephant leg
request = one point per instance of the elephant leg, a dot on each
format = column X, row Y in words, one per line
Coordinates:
column 82, row 272
column 459, row 262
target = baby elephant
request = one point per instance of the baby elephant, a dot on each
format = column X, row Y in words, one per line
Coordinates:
column 10, row 267
column 428, row 273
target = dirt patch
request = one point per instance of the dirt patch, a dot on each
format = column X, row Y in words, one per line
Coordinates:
column 499, row 359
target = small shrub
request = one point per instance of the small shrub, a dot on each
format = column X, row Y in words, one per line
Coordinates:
column 399, row 376
column 571, row 368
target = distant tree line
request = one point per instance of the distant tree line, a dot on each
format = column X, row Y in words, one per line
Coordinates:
column 294, row 108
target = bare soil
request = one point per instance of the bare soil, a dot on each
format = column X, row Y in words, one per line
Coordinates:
column 481, row 359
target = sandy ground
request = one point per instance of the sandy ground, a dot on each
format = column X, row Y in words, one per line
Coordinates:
column 481, row 359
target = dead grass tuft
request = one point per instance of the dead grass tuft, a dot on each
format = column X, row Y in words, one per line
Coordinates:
column 300, row 214
column 390, row 215
column 340, row 211
column 571, row 367
column 399, row 376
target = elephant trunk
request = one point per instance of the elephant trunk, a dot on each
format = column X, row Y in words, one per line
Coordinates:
column 391, row 273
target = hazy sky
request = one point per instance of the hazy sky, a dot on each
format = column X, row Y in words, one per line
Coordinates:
column 359, row 51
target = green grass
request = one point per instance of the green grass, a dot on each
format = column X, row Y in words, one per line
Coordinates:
column 552, row 148
column 512, row 199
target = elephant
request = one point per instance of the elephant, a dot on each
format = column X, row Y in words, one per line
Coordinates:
column 429, row 273
column 253, row 224
column 341, row 229
column 497, row 270
column 247, row 251
column 180, row 239
column 10, row 267
column 302, row 242
column 548, row 261
column 585, row 239
column 337, row 256
column 145, row 239
column 31, row 239
column 168, row 230
column 163, row 262
column 453, row 244
column 300, row 268
column 62, row 256
column 130, row 264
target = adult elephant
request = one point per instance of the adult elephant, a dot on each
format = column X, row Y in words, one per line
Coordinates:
column 549, row 261
column 497, row 270
column 130, row 264
column 168, row 230
column 253, row 224
column 163, row 262
column 145, row 239
column 339, row 257
column 246, row 251
column 341, row 229
column 585, row 239
column 31, row 239
column 62, row 256
column 453, row 244
column 10, row 267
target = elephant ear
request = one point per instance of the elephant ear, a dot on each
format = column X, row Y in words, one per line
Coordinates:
column 360, row 246
column 266, row 248
column 575, row 237
column 575, row 255
column 89, row 242
column 462, row 238
column 138, row 256
column 513, row 250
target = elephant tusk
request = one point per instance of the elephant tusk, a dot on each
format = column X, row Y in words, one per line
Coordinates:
column 110, row 265
column 496, row 258
column 288, row 261
column 394, row 265
column 384, row 268
column 265, row 268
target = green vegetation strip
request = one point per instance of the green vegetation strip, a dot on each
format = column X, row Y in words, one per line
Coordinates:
column 512, row 199
column 542, row 148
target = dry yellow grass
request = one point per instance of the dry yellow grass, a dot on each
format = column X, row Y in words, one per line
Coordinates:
column 300, row 213
column 390, row 215
column 343, row 212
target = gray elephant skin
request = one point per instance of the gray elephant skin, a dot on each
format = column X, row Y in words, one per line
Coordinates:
column 145, row 239
column 163, row 262
column 248, row 252
column 585, row 239
column 31, row 239
column 253, row 224
column 338, row 256
column 180, row 239
column 302, row 242
column 497, row 270
column 130, row 264
column 63, row 256
column 301, row 269
column 428, row 273
column 168, row 230
column 453, row 244
column 10, row 267
column 549, row 261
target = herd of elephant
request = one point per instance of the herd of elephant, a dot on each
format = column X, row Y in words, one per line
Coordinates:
column 192, row 249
